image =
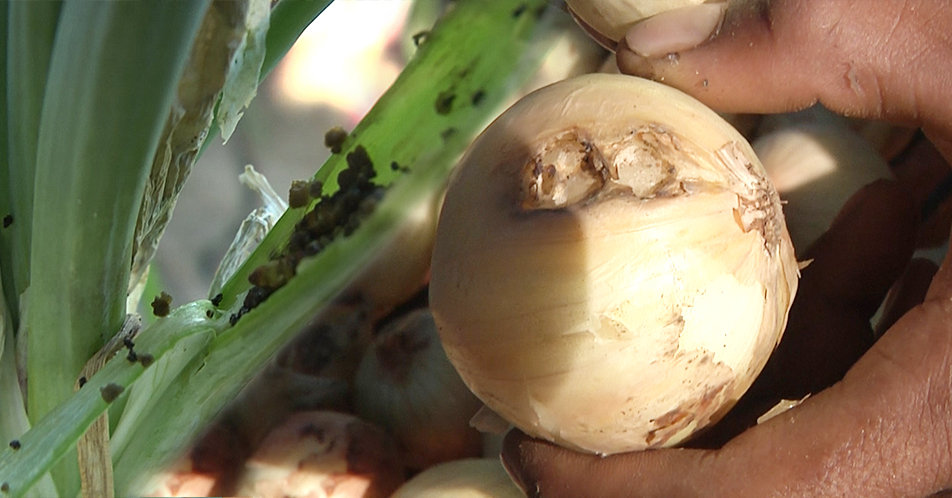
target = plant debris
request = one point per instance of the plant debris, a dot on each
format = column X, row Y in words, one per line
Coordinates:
column 110, row 392
column 419, row 37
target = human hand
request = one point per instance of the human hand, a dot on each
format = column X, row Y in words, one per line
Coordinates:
column 885, row 428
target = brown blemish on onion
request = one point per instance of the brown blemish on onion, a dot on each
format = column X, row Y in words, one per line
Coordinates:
column 676, row 420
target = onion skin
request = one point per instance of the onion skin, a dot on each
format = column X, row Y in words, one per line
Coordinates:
column 609, row 20
column 323, row 453
column 621, row 317
column 470, row 478
column 817, row 167
column 406, row 385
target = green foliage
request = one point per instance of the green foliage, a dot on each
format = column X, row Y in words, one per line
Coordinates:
column 111, row 77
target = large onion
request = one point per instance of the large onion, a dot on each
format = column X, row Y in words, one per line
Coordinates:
column 611, row 269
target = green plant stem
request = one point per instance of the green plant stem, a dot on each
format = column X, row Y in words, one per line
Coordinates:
column 441, row 99
column 202, row 363
column 112, row 77
column 32, row 26
column 7, row 286
column 56, row 434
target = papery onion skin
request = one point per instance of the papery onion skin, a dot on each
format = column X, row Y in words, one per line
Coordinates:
column 631, row 306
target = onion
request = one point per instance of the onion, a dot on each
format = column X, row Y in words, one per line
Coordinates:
column 323, row 454
column 611, row 268
column 816, row 167
column 472, row 478
column 608, row 20
column 406, row 385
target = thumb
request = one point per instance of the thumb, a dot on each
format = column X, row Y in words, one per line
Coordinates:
column 541, row 468
column 887, row 61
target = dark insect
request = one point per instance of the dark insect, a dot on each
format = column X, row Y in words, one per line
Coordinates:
column 334, row 139
column 314, row 188
column 7, row 220
column 162, row 304
column 272, row 275
column 127, row 342
column 217, row 299
column 146, row 359
column 82, row 381
column 15, row 444
column 299, row 194
column 210, row 313
column 110, row 392
column 132, row 356
column 359, row 165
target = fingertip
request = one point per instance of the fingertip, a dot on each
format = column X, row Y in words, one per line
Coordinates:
column 866, row 248
column 675, row 30
column 908, row 292
column 512, row 460
column 787, row 55
column 717, row 67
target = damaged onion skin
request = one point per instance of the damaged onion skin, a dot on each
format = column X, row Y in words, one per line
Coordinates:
column 611, row 269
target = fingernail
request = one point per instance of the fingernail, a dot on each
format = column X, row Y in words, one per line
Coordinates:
column 676, row 30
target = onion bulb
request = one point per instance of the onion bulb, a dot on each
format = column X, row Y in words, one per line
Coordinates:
column 406, row 385
column 608, row 20
column 611, row 268
column 323, row 454
column 471, row 478
column 817, row 167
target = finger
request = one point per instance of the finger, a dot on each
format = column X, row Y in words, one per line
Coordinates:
column 888, row 62
column 940, row 289
column 854, row 265
column 882, row 431
column 853, row 268
column 865, row 249
column 923, row 170
column 541, row 468
column 908, row 292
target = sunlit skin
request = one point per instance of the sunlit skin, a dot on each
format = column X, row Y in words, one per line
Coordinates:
column 879, row 421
